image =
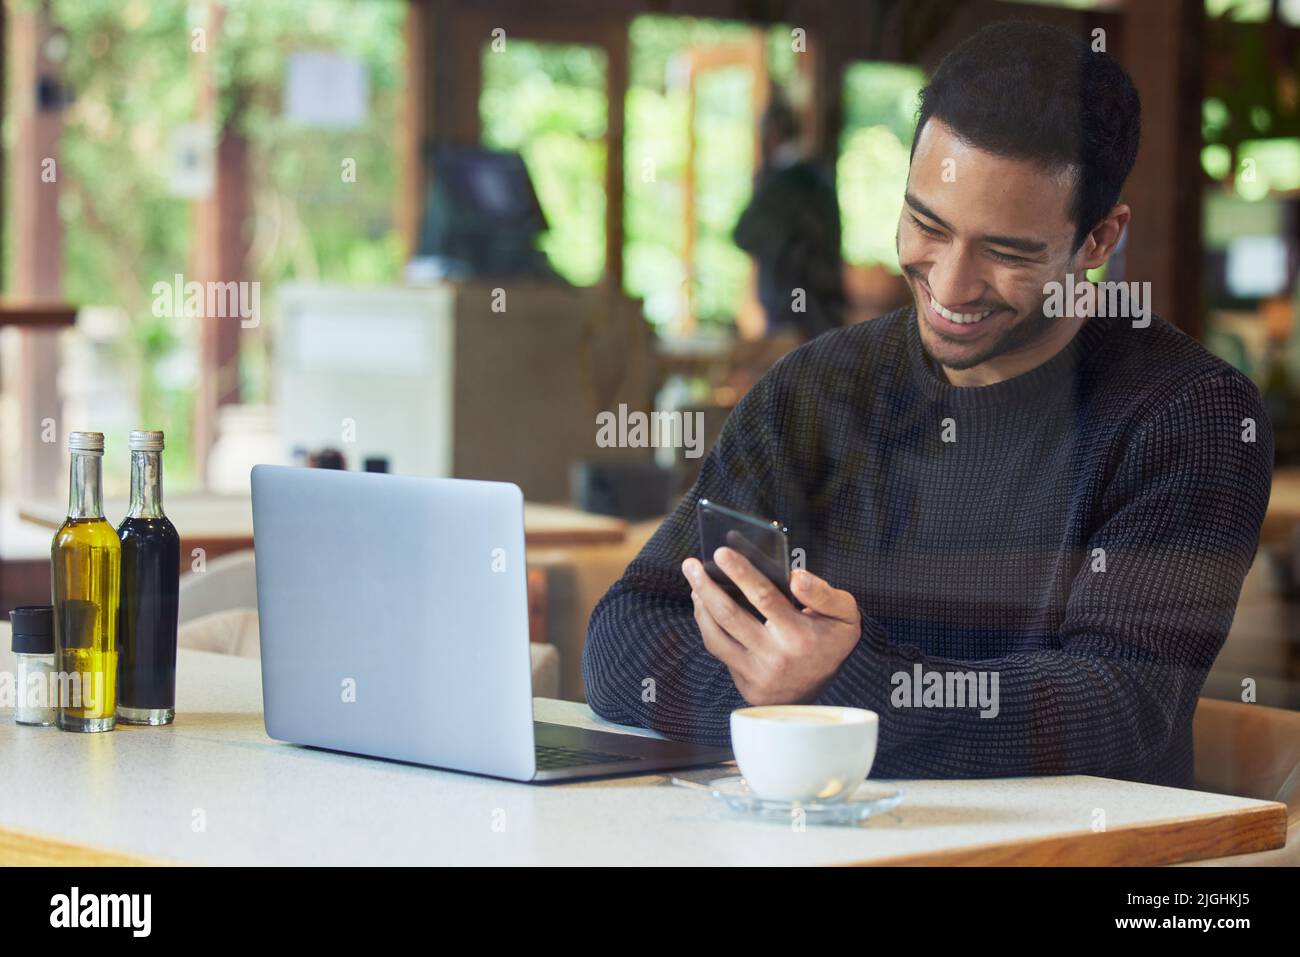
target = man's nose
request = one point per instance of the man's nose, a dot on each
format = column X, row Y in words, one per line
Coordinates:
column 955, row 279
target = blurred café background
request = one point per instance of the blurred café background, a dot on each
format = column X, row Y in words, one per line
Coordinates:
column 459, row 231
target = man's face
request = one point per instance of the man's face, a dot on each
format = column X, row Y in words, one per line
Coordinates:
column 979, row 237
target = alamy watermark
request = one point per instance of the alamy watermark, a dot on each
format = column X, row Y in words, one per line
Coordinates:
column 53, row 689
column 133, row 912
column 1122, row 300
column 946, row 689
column 208, row 300
column 642, row 430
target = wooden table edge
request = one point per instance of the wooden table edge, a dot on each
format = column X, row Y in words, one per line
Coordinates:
column 223, row 543
column 572, row 538
column 1218, row 834
column 1150, row 843
column 24, row 849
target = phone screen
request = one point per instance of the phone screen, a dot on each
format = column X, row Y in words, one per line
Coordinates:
column 764, row 543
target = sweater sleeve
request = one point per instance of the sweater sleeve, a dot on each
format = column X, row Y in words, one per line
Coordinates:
column 1147, row 612
column 645, row 663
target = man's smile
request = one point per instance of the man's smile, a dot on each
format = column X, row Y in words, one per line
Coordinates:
column 951, row 323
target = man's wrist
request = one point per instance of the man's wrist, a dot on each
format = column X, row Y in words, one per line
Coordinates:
column 851, row 683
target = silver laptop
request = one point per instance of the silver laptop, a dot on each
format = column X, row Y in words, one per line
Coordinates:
column 394, row 623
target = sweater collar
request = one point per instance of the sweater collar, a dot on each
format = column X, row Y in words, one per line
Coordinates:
column 1056, row 372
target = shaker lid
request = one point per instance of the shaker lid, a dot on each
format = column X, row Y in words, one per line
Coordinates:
column 33, row 630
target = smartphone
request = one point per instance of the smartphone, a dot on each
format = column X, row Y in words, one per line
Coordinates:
column 765, row 543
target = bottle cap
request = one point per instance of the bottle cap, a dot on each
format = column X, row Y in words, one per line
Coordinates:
column 86, row 442
column 33, row 630
column 145, row 440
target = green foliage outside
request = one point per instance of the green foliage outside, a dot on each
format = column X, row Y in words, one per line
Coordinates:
column 880, row 101
column 656, row 150
column 135, row 78
column 548, row 102
column 134, row 74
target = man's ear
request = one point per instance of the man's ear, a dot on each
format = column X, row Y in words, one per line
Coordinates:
column 1101, row 242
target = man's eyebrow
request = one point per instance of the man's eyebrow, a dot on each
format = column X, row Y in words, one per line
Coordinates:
column 1010, row 242
column 924, row 210
column 1016, row 242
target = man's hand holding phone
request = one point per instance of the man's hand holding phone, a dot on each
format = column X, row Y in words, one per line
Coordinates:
column 789, row 658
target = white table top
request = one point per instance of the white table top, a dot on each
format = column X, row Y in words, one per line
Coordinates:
column 146, row 791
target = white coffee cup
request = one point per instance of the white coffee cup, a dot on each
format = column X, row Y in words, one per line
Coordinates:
column 804, row 752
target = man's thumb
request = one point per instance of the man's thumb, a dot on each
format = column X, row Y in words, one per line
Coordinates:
column 816, row 594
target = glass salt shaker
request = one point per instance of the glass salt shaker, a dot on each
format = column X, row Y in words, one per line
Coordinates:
column 33, row 647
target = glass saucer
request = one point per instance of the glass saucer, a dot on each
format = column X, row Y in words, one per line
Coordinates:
column 869, row 799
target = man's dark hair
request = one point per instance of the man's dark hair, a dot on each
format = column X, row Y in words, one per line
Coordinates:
column 1035, row 92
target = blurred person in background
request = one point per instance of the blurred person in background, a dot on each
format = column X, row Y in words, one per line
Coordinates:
column 792, row 229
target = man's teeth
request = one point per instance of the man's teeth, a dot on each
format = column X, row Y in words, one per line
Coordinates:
column 962, row 318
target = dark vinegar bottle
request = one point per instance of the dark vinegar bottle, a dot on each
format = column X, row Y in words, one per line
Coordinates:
column 146, row 675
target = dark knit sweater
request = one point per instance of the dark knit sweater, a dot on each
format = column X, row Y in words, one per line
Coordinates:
column 1084, row 535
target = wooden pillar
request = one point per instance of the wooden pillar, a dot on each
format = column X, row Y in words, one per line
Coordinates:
column 823, row 68
column 221, row 254
column 4, row 102
column 616, row 83
column 417, row 121
column 1163, row 50
column 38, row 242
column 456, row 77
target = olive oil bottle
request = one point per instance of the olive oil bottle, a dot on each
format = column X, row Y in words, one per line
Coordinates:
column 151, row 558
column 86, row 558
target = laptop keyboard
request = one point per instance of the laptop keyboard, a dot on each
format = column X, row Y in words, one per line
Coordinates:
column 552, row 758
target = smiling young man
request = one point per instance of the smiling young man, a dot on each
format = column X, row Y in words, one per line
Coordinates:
column 1028, row 531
